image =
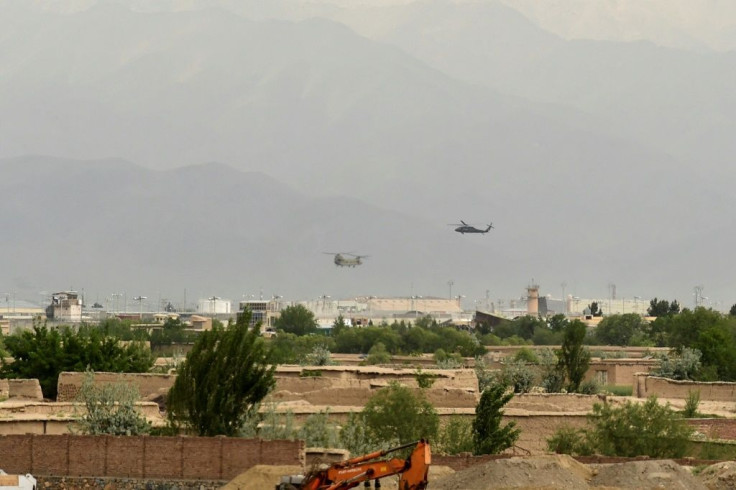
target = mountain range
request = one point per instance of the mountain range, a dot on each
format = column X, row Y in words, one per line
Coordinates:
column 365, row 130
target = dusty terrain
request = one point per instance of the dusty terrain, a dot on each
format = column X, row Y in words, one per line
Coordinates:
column 541, row 473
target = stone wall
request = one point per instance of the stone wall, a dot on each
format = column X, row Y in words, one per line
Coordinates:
column 165, row 458
column 647, row 386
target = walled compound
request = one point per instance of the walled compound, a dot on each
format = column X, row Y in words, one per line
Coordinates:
column 341, row 390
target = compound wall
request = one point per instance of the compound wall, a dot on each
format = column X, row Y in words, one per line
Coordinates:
column 170, row 458
column 27, row 389
column 718, row 391
column 149, row 385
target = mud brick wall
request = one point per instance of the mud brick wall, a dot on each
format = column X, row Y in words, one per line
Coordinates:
column 28, row 389
column 148, row 384
column 718, row 391
column 715, row 428
column 164, row 458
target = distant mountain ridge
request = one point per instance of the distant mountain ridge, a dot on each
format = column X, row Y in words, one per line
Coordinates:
column 599, row 162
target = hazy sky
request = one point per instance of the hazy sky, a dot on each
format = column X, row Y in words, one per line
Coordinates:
column 596, row 136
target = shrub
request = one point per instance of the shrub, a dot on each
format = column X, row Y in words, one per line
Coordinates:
column 518, row 375
column 691, row 404
column 398, row 413
column 424, row 380
column 639, row 429
column 320, row 356
column 634, row 429
column 684, row 366
column 111, row 409
column 378, row 355
column 568, row 440
column 589, row 387
column 456, row 436
column 525, row 354
column 552, row 376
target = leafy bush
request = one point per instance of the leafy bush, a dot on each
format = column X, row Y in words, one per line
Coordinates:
column 682, row 366
column 568, row 440
column 552, row 377
column 319, row 431
column 518, row 375
column 691, row 404
column 634, row 429
column 320, row 356
column 526, row 355
column 378, row 355
column 456, row 436
column 640, row 429
column 486, row 377
column 424, row 380
column 111, row 409
column 589, row 387
column 398, row 413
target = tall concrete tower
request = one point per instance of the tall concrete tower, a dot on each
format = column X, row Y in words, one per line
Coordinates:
column 532, row 299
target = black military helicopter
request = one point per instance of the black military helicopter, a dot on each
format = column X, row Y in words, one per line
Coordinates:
column 466, row 228
column 344, row 259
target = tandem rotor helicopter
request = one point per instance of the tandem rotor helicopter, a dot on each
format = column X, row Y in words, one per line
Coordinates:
column 466, row 228
column 344, row 259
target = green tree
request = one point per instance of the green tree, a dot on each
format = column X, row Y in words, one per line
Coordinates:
column 296, row 319
column 489, row 437
column 338, row 325
column 527, row 324
column 595, row 309
column 574, row 359
column 732, row 311
column 639, row 429
column 398, row 415
column 111, row 409
column 558, row 322
column 662, row 307
column 619, row 329
column 708, row 331
column 223, row 378
column 43, row 353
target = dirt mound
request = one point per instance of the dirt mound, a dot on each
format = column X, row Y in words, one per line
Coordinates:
column 261, row 477
column 540, row 472
column 438, row 471
column 645, row 474
column 719, row 476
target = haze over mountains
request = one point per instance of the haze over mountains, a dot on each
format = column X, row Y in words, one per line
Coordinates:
column 357, row 128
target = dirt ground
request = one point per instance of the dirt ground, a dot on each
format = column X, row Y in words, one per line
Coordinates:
column 540, row 473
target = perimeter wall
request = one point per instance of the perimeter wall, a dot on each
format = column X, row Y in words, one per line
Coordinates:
column 717, row 391
column 141, row 457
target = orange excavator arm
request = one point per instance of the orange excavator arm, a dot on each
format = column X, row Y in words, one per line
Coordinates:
column 348, row 474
